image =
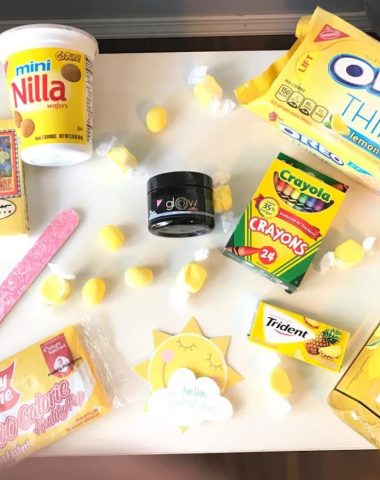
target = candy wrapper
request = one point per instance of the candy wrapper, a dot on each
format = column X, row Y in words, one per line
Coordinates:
column 55, row 386
column 208, row 92
column 324, row 95
column 347, row 254
column 223, row 200
column 111, row 147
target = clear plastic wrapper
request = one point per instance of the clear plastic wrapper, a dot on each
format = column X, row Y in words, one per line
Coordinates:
column 347, row 254
column 55, row 386
column 208, row 92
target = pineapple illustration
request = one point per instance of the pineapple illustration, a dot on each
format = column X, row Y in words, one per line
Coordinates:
column 330, row 336
column 332, row 351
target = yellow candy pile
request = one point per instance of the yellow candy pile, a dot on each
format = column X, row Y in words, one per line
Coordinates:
column 156, row 119
column 93, row 291
column 122, row 157
column 112, row 237
column 138, row 277
column 55, row 290
column 192, row 277
column 222, row 199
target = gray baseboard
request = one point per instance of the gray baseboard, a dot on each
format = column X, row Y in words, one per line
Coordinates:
column 205, row 26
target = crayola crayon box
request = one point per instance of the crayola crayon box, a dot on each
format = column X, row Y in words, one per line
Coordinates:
column 356, row 397
column 286, row 221
column 13, row 208
column 324, row 94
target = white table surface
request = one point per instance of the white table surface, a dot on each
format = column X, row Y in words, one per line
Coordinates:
column 125, row 86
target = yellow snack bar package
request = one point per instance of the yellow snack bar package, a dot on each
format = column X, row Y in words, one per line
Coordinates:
column 324, row 93
column 13, row 207
column 300, row 337
column 356, row 397
column 285, row 222
column 50, row 389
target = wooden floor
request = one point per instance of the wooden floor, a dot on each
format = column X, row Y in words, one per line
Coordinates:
column 362, row 465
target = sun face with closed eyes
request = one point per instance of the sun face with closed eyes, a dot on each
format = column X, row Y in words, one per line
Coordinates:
column 188, row 349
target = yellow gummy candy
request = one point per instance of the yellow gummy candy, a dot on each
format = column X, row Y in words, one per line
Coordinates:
column 192, row 276
column 122, row 157
column 280, row 383
column 112, row 237
column 138, row 277
column 156, row 119
column 55, row 290
column 349, row 252
column 207, row 90
column 338, row 125
column 222, row 199
column 93, row 291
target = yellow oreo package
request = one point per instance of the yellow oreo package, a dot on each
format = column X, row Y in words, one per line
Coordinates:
column 47, row 391
column 324, row 93
column 356, row 397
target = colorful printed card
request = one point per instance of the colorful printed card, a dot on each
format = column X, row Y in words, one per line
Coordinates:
column 13, row 208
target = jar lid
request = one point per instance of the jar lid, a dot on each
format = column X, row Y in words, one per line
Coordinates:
column 175, row 179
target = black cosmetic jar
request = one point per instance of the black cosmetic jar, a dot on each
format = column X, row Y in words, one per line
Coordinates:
column 180, row 204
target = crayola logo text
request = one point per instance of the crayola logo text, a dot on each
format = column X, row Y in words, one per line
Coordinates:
column 287, row 176
column 354, row 72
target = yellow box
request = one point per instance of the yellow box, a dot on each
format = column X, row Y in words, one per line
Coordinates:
column 285, row 222
column 356, row 397
column 324, row 93
column 13, row 207
column 47, row 391
column 300, row 337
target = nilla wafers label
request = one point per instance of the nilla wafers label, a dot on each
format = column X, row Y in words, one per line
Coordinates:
column 48, row 89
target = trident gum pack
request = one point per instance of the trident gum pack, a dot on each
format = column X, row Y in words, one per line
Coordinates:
column 300, row 337
column 47, row 391
column 324, row 93
column 286, row 221
column 356, row 397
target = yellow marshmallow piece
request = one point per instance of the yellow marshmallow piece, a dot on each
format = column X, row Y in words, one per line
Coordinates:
column 280, row 383
column 112, row 237
column 55, row 290
column 93, row 291
column 192, row 276
column 122, row 157
column 222, row 199
column 138, row 277
column 349, row 252
column 207, row 91
column 156, row 119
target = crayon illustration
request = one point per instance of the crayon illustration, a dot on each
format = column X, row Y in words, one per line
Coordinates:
column 294, row 196
column 243, row 251
column 300, row 201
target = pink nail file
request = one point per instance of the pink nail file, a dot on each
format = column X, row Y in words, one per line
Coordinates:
column 43, row 250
